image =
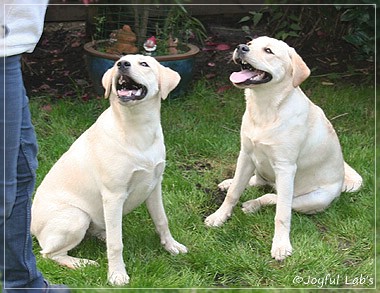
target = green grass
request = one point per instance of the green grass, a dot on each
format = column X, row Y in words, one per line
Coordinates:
column 202, row 140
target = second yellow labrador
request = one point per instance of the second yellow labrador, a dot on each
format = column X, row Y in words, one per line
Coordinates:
column 286, row 141
column 112, row 168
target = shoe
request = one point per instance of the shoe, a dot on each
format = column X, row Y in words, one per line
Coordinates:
column 52, row 288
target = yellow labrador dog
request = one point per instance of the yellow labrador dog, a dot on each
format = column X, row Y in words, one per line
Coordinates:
column 286, row 141
column 112, row 168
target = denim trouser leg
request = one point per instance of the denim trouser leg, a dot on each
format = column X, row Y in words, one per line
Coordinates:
column 18, row 156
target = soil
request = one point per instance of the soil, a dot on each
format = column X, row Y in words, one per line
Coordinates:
column 57, row 66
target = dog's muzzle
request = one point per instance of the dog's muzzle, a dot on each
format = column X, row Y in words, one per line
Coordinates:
column 127, row 89
column 248, row 75
column 242, row 49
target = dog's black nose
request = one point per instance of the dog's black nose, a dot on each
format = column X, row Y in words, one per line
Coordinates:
column 123, row 64
column 242, row 48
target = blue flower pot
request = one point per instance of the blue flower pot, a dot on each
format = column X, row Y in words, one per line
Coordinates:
column 98, row 63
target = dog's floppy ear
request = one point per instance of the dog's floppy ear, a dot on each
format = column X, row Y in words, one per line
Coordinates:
column 168, row 80
column 300, row 69
column 107, row 82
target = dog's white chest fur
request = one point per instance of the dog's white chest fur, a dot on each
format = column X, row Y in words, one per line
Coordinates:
column 140, row 185
column 257, row 140
column 259, row 156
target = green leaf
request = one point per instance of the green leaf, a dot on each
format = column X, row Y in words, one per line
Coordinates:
column 353, row 39
column 244, row 19
column 256, row 18
column 293, row 34
column 282, row 35
column 348, row 15
column 295, row 27
column 294, row 17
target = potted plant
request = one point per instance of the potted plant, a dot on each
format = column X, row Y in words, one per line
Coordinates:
column 139, row 29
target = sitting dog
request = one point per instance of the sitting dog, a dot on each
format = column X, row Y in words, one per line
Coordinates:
column 286, row 141
column 112, row 168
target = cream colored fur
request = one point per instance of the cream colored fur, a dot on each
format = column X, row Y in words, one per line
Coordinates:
column 287, row 142
column 112, row 168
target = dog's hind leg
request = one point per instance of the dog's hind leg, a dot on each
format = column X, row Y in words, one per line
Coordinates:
column 97, row 231
column 72, row 262
column 310, row 203
column 317, row 200
column 254, row 205
column 62, row 233
column 352, row 180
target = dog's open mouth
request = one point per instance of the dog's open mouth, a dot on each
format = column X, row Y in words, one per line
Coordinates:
column 249, row 75
column 129, row 90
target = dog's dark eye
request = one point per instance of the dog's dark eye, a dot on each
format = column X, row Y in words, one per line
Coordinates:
column 268, row 50
column 144, row 64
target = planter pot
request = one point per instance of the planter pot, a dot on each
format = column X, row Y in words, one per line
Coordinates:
column 98, row 63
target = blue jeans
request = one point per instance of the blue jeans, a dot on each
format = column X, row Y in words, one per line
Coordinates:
column 19, row 158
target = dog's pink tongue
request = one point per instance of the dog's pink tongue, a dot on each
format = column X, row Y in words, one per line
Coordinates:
column 241, row 76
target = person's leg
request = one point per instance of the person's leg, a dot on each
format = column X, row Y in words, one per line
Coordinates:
column 20, row 162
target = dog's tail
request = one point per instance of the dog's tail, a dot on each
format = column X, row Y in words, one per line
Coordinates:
column 352, row 180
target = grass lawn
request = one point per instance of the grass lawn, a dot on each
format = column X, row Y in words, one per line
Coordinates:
column 334, row 249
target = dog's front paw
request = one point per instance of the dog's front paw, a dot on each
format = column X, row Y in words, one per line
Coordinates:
column 281, row 249
column 174, row 247
column 118, row 278
column 224, row 185
column 216, row 219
